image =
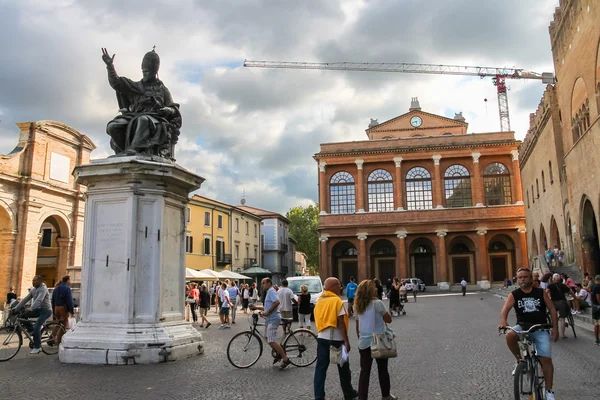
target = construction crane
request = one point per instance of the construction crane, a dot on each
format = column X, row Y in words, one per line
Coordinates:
column 498, row 75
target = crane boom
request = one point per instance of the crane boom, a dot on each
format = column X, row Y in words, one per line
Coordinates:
column 499, row 75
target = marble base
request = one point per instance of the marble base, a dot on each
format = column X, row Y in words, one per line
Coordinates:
column 484, row 285
column 443, row 286
column 121, row 344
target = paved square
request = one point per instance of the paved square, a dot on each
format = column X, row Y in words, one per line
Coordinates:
column 449, row 349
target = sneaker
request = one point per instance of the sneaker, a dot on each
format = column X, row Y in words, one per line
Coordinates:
column 36, row 351
column 597, row 342
column 227, row 327
column 222, row 326
column 550, row 395
column 207, row 325
column 390, row 397
column 284, row 364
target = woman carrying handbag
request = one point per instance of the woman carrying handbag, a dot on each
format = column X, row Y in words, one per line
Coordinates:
column 371, row 317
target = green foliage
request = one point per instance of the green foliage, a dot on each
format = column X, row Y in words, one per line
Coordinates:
column 303, row 229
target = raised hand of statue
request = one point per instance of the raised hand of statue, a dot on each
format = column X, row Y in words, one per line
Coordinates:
column 108, row 60
column 166, row 111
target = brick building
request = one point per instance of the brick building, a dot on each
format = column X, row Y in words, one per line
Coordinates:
column 423, row 198
column 41, row 206
column 560, row 156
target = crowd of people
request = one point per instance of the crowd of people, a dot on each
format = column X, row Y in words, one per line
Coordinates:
column 555, row 256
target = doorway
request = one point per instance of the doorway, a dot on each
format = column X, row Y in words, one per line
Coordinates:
column 424, row 268
column 349, row 268
column 386, row 270
column 461, row 267
column 498, row 268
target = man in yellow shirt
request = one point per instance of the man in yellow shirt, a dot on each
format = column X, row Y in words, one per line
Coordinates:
column 331, row 319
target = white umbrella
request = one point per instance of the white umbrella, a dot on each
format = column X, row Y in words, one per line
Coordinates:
column 204, row 274
column 232, row 275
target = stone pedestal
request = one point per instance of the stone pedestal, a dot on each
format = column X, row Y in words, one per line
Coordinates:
column 484, row 284
column 443, row 286
column 133, row 272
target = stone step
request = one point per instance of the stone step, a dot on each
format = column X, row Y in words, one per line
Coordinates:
column 572, row 270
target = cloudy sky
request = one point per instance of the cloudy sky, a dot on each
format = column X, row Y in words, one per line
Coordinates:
column 257, row 129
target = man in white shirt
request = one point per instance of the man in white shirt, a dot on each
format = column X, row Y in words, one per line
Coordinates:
column 226, row 305
column 463, row 285
column 286, row 298
column 582, row 299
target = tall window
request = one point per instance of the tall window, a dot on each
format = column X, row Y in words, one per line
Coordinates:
column 220, row 222
column 543, row 182
column 46, row 237
column 532, row 194
column 342, row 193
column 381, row 191
column 537, row 187
column 550, row 172
column 237, row 224
column 457, row 183
column 247, row 228
column 528, row 198
column 237, row 251
column 206, row 218
column 418, row 189
column 255, row 230
column 496, row 183
column 189, row 244
column 207, row 245
column 188, row 215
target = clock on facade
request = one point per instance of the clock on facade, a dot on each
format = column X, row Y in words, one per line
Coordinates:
column 416, row 121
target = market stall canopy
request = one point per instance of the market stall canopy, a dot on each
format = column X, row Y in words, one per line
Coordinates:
column 256, row 270
column 232, row 275
column 204, row 274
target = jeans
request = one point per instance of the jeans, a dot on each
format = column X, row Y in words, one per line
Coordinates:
column 234, row 305
column 366, row 361
column 321, row 371
column 42, row 315
column 193, row 310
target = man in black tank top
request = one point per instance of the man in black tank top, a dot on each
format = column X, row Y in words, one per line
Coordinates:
column 530, row 305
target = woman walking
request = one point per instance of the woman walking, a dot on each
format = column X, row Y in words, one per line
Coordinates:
column 245, row 298
column 394, row 297
column 304, row 307
column 204, row 305
column 379, row 287
column 194, row 300
column 371, row 317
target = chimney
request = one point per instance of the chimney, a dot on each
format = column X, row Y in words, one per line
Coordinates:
column 414, row 104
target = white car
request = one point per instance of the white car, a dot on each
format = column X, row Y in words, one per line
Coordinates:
column 412, row 283
column 315, row 289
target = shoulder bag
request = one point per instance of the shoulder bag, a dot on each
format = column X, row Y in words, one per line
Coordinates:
column 383, row 345
column 335, row 353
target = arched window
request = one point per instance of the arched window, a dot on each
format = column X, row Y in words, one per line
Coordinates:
column 528, row 205
column 543, row 182
column 447, row 134
column 550, row 171
column 457, row 184
column 380, row 191
column 418, row 189
column 342, row 193
column 537, row 187
column 532, row 194
column 496, row 183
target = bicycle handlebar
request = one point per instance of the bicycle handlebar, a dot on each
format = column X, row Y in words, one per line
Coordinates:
column 534, row 328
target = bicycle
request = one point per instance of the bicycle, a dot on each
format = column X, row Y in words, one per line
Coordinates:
column 245, row 348
column 529, row 381
column 11, row 336
column 570, row 321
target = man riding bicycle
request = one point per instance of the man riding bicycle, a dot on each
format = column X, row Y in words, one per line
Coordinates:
column 41, row 308
column 530, row 305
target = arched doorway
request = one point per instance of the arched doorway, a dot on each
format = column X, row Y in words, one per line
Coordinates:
column 422, row 254
column 543, row 239
column 6, row 250
column 383, row 260
column 52, row 257
column 462, row 253
column 554, row 234
column 344, row 261
column 589, row 239
column 501, row 250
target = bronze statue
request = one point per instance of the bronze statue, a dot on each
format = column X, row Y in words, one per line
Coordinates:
column 149, row 122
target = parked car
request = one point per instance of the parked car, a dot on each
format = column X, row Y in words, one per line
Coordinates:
column 315, row 289
column 411, row 283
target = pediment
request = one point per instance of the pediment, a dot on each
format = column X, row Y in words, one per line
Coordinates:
column 402, row 122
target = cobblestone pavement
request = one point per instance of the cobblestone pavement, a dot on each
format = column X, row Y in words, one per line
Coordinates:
column 449, row 349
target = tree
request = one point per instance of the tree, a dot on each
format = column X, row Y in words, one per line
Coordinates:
column 303, row 228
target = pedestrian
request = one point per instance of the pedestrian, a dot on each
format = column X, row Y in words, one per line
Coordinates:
column 596, row 308
column 272, row 317
column 536, row 280
column 582, row 299
column 245, row 298
column 286, row 299
column 41, row 307
column 62, row 306
column 233, row 297
column 394, row 297
column 379, row 288
column 331, row 320
column 304, row 307
column 371, row 317
column 463, row 286
column 546, row 280
column 350, row 292
column 253, row 294
column 225, row 306
column 588, row 282
column 193, row 300
column 557, row 291
column 204, row 305
column 11, row 295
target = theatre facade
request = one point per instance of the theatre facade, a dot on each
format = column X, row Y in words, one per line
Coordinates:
column 422, row 198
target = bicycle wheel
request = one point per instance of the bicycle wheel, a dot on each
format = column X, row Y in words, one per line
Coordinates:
column 539, row 381
column 523, row 382
column 301, row 347
column 244, row 349
column 11, row 341
column 49, row 333
column 571, row 321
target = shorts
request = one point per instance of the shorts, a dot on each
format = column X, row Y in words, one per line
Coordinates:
column 224, row 311
column 271, row 331
column 286, row 314
column 561, row 307
column 596, row 315
column 351, row 302
column 203, row 311
column 304, row 320
column 541, row 340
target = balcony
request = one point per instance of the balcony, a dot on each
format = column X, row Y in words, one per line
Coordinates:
column 270, row 246
column 249, row 262
column 223, row 259
column 283, row 247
